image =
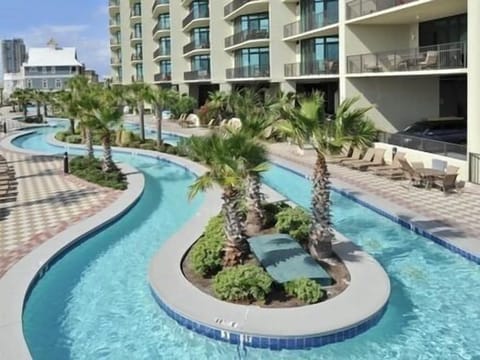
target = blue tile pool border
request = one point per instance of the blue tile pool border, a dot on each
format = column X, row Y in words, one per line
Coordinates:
column 270, row 342
column 406, row 224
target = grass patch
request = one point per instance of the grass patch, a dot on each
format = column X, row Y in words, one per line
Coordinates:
column 91, row 171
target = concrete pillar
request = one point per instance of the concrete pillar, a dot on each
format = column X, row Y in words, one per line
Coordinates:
column 287, row 86
column 183, row 88
column 473, row 78
column 225, row 87
column 342, row 57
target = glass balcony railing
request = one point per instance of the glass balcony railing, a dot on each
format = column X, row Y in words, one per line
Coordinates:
column 201, row 13
column 136, row 57
column 234, row 5
column 135, row 12
column 137, row 78
column 115, row 61
column 246, row 35
column 194, row 45
column 113, row 3
column 159, row 2
column 249, row 71
column 358, row 8
column 433, row 57
column 160, row 27
column 167, row 76
column 197, row 75
column 135, row 36
column 161, row 51
column 114, row 42
column 313, row 22
column 113, row 22
column 309, row 68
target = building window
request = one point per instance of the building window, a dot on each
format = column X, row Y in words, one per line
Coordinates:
column 53, row 70
column 29, row 84
column 44, row 70
column 58, row 84
column 200, row 63
column 45, row 84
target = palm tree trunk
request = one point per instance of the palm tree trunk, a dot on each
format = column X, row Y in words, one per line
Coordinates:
column 24, row 106
column 159, row 127
column 108, row 164
column 255, row 213
column 236, row 247
column 72, row 125
column 89, row 142
column 141, row 112
column 39, row 113
column 45, row 110
column 321, row 235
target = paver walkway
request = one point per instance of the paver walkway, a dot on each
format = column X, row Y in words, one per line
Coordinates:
column 42, row 203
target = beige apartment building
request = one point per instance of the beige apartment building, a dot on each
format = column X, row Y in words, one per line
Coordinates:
column 408, row 58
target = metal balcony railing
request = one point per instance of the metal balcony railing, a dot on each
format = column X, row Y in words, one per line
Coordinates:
column 135, row 12
column 358, row 8
column 309, row 23
column 114, row 42
column 424, row 144
column 138, row 78
column 234, row 5
column 135, row 36
column 115, row 61
column 194, row 45
column 161, row 51
column 245, row 35
column 306, row 68
column 432, row 57
column 159, row 2
column 113, row 22
column 136, row 57
column 162, row 77
column 201, row 13
column 160, row 27
column 197, row 75
column 250, row 71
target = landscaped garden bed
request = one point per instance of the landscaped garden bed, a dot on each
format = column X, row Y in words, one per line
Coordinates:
column 249, row 283
column 90, row 169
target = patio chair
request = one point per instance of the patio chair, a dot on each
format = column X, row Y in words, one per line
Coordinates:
column 396, row 63
column 446, row 183
column 368, row 157
column 430, row 60
column 357, row 152
column 412, row 174
column 377, row 161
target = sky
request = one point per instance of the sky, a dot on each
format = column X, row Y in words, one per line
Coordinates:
column 82, row 24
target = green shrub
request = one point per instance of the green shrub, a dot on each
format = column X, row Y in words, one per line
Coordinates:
column 61, row 135
column 91, row 170
column 207, row 253
column 306, row 290
column 242, row 283
column 294, row 221
column 73, row 139
column 271, row 211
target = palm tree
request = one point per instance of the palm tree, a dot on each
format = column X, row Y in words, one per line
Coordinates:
column 37, row 97
column 104, row 119
column 161, row 99
column 308, row 124
column 22, row 97
column 139, row 93
column 89, row 100
column 217, row 103
column 229, row 160
column 69, row 108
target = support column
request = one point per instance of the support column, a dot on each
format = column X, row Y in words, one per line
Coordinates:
column 225, row 87
column 473, row 79
column 287, row 86
column 342, row 54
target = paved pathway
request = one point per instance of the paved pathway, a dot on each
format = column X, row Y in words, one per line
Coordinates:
column 41, row 203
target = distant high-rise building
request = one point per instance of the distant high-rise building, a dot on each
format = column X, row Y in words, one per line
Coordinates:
column 13, row 55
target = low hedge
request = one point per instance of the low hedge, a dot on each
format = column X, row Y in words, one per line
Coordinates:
column 207, row 253
column 90, row 169
column 306, row 290
column 242, row 283
column 296, row 222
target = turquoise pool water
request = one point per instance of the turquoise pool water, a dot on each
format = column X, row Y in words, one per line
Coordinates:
column 95, row 302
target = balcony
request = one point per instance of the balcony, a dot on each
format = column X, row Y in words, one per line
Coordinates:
column 196, row 75
column 203, row 46
column 312, row 68
column 200, row 17
column 161, row 53
column 115, row 61
column 310, row 24
column 246, row 35
column 242, row 7
column 135, row 37
column 250, row 71
column 449, row 56
column 113, row 6
column 136, row 58
column 160, row 7
column 137, row 78
column 117, row 79
column 115, row 43
column 135, row 16
column 162, row 77
column 357, row 8
column 159, row 30
column 114, row 25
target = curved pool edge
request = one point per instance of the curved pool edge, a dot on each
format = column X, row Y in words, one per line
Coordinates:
column 460, row 245
column 17, row 282
column 252, row 325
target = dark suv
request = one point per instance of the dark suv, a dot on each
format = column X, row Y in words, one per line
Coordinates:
column 451, row 131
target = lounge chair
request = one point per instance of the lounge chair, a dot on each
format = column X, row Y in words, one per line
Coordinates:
column 368, row 157
column 377, row 161
column 430, row 60
column 357, row 152
column 447, row 182
column 414, row 176
column 395, row 165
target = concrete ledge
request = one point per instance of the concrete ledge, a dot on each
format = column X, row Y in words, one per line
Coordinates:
column 352, row 312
